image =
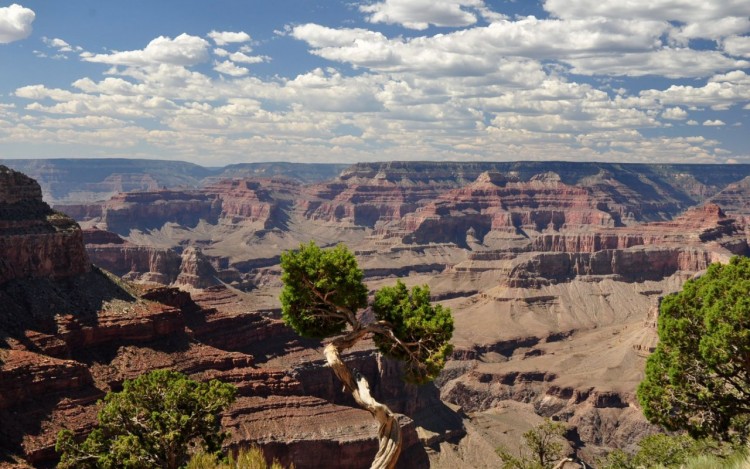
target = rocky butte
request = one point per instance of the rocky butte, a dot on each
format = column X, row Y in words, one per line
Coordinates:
column 554, row 272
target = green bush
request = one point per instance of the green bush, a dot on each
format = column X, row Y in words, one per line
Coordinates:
column 154, row 422
column 662, row 451
column 544, row 446
column 698, row 377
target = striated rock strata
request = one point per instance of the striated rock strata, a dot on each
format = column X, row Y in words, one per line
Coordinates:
column 35, row 241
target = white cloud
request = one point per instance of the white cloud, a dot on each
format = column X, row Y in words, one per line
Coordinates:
column 419, row 14
column 671, row 63
column 15, row 23
column 58, row 44
column 689, row 19
column 674, row 113
column 713, row 123
column 247, row 59
column 226, row 37
column 230, row 68
column 184, row 50
column 712, row 29
column 686, row 11
column 592, row 46
column 719, row 93
column 62, row 48
column 489, row 91
column 737, row 46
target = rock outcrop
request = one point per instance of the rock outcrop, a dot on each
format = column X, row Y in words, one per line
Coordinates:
column 35, row 241
column 152, row 209
column 196, row 270
column 133, row 262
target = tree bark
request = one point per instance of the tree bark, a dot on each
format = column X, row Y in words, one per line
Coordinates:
column 389, row 432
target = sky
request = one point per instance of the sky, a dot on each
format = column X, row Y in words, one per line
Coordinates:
column 221, row 81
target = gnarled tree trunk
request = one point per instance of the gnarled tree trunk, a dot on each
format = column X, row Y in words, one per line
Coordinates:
column 389, row 433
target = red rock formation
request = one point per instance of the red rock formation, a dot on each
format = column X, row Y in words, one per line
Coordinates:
column 35, row 241
column 152, row 209
column 26, row 375
column 196, row 270
column 364, row 201
column 248, row 201
column 735, row 198
column 497, row 203
column 139, row 263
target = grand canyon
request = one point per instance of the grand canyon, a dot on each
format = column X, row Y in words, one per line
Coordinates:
column 553, row 270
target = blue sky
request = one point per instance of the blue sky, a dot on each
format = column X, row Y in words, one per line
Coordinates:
column 218, row 82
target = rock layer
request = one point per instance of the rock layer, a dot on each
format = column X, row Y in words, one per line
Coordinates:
column 35, row 241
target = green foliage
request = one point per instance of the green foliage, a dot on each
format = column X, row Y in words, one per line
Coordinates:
column 617, row 459
column 737, row 460
column 423, row 330
column 665, row 450
column 543, row 448
column 698, row 378
column 153, row 422
column 247, row 458
column 320, row 288
column 323, row 291
column 670, row 451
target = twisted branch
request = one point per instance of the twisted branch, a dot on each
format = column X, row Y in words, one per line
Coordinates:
column 389, row 432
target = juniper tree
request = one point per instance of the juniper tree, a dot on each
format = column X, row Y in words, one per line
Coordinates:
column 153, row 422
column 698, row 378
column 323, row 297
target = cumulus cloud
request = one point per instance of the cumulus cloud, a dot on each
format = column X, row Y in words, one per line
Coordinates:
column 713, row 123
column 60, row 45
column 420, row 14
column 592, row 46
column 184, row 50
column 688, row 19
column 674, row 113
column 15, row 23
column 719, row 93
column 222, row 38
column 230, row 68
column 712, row 29
column 671, row 63
column 685, row 11
column 247, row 59
column 62, row 48
column 737, row 46
column 495, row 86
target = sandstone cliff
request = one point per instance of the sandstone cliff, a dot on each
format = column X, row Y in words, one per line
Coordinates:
column 35, row 241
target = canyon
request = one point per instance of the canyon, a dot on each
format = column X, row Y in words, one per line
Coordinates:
column 554, row 272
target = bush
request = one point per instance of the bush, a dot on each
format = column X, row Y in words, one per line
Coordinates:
column 673, row 451
column 543, row 448
column 698, row 377
column 153, row 422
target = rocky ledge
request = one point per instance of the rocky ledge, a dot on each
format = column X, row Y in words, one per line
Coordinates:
column 35, row 241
